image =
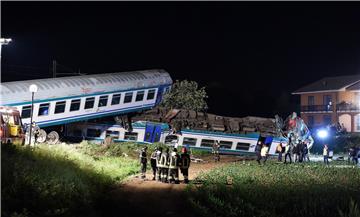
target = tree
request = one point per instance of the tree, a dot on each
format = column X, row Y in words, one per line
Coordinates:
column 186, row 95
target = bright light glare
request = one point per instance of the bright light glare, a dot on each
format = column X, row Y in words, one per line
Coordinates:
column 322, row 134
column 33, row 88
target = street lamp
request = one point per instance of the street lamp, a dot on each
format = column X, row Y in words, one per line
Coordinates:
column 33, row 89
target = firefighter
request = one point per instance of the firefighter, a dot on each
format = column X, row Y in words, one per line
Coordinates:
column 159, row 167
column 164, row 165
column 153, row 163
column 143, row 161
column 174, row 167
column 185, row 164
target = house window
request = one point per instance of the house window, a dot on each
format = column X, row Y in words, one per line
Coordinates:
column 242, row 146
column 60, row 107
column 357, row 118
column 151, row 94
column 189, row 141
column 207, row 142
column 140, row 96
column 103, row 101
column 128, row 97
column 116, row 99
column 75, row 105
column 225, row 144
column 26, row 112
column 89, row 103
column 93, row 133
column 311, row 121
column 131, row 136
column 44, row 109
column 327, row 119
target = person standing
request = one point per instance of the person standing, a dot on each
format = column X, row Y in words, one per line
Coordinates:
column 216, row 150
column 279, row 150
column 326, row 154
column 158, row 165
column 153, row 163
column 288, row 151
column 185, row 164
column 258, row 151
column 143, row 161
column 174, row 167
column 164, row 164
column 264, row 152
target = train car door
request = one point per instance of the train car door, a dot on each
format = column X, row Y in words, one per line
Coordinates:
column 159, row 95
column 152, row 133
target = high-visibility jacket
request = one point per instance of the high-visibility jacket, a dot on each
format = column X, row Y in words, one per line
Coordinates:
column 158, row 156
column 185, row 161
column 325, row 152
column 264, row 151
column 164, row 160
column 174, row 160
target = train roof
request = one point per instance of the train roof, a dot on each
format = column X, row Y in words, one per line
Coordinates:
column 49, row 88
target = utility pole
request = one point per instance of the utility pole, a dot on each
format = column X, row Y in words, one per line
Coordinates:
column 54, row 68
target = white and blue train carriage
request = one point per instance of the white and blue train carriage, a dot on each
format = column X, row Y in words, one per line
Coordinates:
column 150, row 132
column 60, row 101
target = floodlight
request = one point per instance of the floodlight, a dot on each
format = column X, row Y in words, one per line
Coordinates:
column 322, row 134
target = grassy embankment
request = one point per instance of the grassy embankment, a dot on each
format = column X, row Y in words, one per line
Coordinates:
column 308, row 190
column 62, row 180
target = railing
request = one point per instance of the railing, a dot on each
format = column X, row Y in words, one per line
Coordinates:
column 348, row 107
column 317, row 108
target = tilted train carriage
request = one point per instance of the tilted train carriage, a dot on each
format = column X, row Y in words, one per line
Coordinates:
column 150, row 132
column 64, row 100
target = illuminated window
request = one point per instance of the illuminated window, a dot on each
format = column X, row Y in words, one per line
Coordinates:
column 44, row 109
column 60, row 107
column 26, row 112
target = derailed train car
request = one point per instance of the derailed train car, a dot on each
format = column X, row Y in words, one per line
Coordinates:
column 60, row 101
column 150, row 132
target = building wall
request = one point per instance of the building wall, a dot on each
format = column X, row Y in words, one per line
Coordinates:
column 347, row 96
column 318, row 98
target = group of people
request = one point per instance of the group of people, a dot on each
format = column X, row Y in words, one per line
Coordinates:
column 165, row 164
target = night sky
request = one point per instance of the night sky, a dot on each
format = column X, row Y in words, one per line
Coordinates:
column 250, row 56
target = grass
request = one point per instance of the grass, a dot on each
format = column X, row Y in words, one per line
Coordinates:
column 277, row 190
column 59, row 180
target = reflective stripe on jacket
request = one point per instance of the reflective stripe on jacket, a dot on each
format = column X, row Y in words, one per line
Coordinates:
column 174, row 161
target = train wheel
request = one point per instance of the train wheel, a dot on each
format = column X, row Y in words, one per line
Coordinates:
column 52, row 137
column 41, row 136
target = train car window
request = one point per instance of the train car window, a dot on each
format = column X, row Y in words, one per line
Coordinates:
column 128, row 97
column 116, row 99
column 242, row 146
column 89, row 103
column 140, row 96
column 26, row 111
column 44, row 109
column 189, row 141
column 207, row 142
column 93, row 133
column 75, row 105
column 225, row 144
column 113, row 134
column 131, row 136
column 60, row 107
column 171, row 139
column 151, row 94
column 103, row 101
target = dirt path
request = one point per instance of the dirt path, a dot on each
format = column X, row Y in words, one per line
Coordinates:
column 152, row 198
